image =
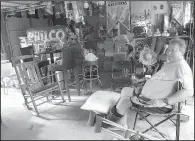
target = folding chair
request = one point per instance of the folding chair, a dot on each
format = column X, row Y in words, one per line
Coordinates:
column 32, row 86
column 134, row 135
column 175, row 112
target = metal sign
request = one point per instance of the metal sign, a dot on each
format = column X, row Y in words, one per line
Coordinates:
column 41, row 35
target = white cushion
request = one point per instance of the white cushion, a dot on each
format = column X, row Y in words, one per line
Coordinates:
column 101, row 101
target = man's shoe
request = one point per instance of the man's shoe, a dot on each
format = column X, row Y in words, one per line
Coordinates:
column 112, row 116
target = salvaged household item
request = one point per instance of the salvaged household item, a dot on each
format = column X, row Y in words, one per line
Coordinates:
column 32, row 85
column 122, row 79
column 7, row 71
column 91, row 73
column 69, row 58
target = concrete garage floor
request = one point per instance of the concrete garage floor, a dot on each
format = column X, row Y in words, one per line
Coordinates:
column 68, row 122
column 59, row 122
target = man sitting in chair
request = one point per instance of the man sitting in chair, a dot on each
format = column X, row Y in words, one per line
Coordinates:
column 156, row 91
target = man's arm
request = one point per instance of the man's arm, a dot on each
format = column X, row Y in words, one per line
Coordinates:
column 185, row 75
column 182, row 94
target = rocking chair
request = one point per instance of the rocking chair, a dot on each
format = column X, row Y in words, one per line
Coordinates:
column 32, row 86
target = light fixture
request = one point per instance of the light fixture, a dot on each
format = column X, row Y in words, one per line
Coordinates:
column 86, row 5
column 101, row 3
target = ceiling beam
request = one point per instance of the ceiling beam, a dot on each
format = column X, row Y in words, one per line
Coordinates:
column 9, row 4
column 25, row 2
column 2, row 6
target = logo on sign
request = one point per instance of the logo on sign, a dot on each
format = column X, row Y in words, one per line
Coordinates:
column 41, row 35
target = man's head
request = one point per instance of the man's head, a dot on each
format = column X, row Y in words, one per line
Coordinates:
column 176, row 49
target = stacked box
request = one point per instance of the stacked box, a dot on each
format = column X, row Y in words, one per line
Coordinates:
column 108, row 65
column 101, row 65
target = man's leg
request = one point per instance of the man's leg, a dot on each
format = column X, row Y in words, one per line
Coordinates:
column 118, row 111
column 124, row 103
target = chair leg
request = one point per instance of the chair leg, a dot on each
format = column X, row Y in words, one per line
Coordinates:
column 178, row 122
column 66, row 84
column 178, row 127
column 135, row 120
column 171, row 121
column 61, row 92
column 145, row 117
column 25, row 99
column 4, row 89
column 47, row 97
column 100, row 82
column 91, row 120
column 98, row 124
column 76, row 75
column 154, row 126
column 34, row 104
column 62, row 96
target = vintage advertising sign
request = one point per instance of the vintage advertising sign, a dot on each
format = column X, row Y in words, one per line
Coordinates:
column 41, row 35
column 177, row 11
column 42, row 38
column 118, row 11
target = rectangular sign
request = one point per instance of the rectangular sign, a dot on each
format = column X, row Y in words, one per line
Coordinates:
column 40, row 35
column 118, row 11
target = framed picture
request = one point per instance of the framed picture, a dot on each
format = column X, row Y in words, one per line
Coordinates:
column 154, row 7
column 161, row 7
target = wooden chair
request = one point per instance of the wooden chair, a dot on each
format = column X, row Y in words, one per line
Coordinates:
column 32, row 85
column 123, row 79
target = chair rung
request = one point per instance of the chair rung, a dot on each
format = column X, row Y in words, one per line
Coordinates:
column 124, row 128
column 113, row 134
column 42, row 103
column 47, row 90
column 37, row 99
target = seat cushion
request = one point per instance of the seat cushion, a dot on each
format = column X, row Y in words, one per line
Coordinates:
column 101, row 101
column 43, row 88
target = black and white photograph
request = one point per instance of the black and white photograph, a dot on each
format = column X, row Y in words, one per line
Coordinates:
column 97, row 70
